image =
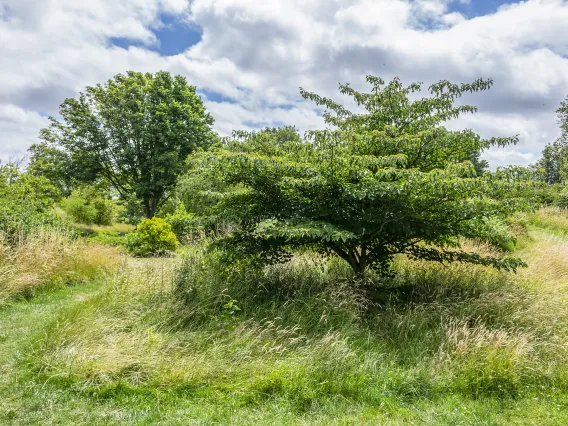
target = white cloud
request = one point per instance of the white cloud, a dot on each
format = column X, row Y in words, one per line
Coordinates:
column 259, row 53
column 18, row 127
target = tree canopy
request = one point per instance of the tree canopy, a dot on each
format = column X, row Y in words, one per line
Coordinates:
column 554, row 161
column 135, row 132
column 390, row 179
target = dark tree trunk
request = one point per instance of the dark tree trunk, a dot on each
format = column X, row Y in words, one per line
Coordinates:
column 357, row 259
column 150, row 206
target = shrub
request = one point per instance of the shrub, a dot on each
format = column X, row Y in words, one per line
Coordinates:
column 79, row 210
column 152, row 237
column 184, row 224
column 88, row 205
column 26, row 204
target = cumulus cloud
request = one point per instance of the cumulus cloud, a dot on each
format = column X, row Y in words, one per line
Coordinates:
column 255, row 55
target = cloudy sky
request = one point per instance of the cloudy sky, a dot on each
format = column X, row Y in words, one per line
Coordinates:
column 248, row 57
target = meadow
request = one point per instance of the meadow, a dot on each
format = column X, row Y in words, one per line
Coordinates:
column 92, row 336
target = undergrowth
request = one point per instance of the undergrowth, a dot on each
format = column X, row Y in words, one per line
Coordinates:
column 301, row 343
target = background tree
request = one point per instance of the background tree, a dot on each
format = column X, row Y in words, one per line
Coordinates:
column 53, row 164
column 135, row 131
column 390, row 180
column 554, row 161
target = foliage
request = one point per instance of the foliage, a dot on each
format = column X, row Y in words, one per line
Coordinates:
column 135, row 132
column 389, row 180
column 554, row 161
column 26, row 203
column 184, row 225
column 89, row 205
column 53, row 164
column 153, row 237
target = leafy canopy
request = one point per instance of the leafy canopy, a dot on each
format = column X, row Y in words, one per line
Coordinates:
column 390, row 179
column 135, row 132
column 554, row 161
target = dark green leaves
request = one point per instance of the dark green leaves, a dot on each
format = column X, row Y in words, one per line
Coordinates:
column 388, row 180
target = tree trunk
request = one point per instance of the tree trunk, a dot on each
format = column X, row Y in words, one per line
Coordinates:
column 150, row 206
column 359, row 271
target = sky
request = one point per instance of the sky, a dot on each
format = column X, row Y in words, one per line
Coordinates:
column 248, row 58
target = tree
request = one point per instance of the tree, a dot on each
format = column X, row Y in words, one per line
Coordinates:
column 53, row 164
column 26, row 203
column 386, row 181
column 135, row 132
column 554, row 161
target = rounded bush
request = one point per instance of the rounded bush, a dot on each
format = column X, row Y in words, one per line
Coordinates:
column 153, row 237
column 87, row 205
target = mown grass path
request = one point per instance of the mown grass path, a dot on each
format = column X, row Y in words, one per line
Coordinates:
column 20, row 325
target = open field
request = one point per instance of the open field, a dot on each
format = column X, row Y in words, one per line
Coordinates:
column 171, row 341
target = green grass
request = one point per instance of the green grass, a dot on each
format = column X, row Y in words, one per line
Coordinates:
column 157, row 343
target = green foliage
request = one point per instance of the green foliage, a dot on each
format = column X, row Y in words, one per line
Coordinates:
column 53, row 164
column 184, row 225
column 153, row 237
column 88, row 205
column 387, row 181
column 134, row 132
column 26, row 203
column 554, row 161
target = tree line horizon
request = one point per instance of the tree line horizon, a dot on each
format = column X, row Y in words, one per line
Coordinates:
column 385, row 180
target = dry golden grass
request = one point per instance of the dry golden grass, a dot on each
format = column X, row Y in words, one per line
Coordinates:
column 50, row 258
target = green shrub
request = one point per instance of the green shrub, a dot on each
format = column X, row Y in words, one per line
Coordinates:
column 185, row 225
column 79, row 210
column 25, row 204
column 153, row 237
column 87, row 205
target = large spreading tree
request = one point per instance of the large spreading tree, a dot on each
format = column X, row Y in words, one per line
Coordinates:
column 134, row 132
column 386, row 179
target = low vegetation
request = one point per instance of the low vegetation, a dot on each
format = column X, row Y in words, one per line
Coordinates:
column 48, row 259
column 170, row 340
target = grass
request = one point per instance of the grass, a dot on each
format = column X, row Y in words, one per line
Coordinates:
column 48, row 259
column 165, row 341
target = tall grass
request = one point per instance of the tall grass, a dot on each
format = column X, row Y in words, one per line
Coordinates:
column 304, row 338
column 48, row 258
column 552, row 218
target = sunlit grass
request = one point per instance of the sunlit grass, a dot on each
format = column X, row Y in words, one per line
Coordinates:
column 433, row 345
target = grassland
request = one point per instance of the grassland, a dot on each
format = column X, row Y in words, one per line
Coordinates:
column 177, row 341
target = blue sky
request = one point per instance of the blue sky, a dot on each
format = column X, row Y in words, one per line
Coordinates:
column 249, row 58
column 479, row 7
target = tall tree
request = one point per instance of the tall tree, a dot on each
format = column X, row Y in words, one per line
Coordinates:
column 389, row 180
column 554, row 161
column 135, row 131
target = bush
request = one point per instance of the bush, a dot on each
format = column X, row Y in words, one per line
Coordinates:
column 26, row 204
column 88, row 205
column 185, row 225
column 79, row 210
column 153, row 237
